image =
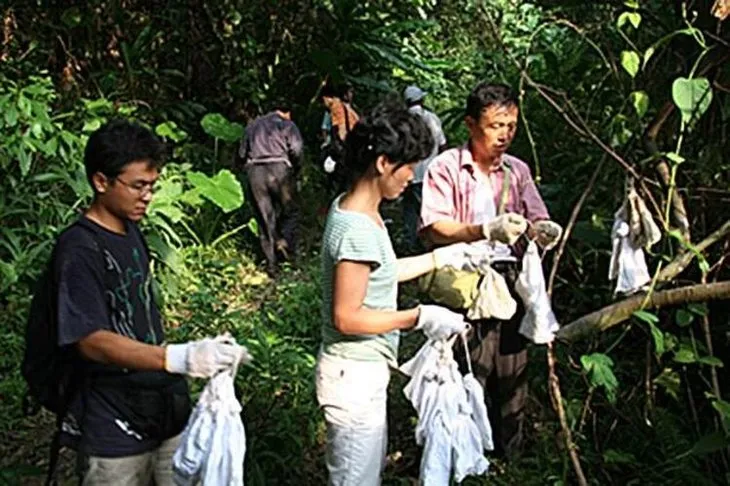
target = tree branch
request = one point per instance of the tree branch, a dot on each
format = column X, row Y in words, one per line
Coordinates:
column 614, row 314
column 571, row 223
column 678, row 265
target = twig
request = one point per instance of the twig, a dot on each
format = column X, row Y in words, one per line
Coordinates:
column 554, row 384
column 571, row 223
column 678, row 265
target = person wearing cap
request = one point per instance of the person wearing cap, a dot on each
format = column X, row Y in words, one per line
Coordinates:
column 478, row 191
column 414, row 96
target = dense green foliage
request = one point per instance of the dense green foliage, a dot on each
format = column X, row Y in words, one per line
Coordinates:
column 606, row 88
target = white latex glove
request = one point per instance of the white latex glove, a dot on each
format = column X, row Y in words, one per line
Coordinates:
column 438, row 322
column 206, row 357
column 547, row 233
column 506, row 228
column 461, row 256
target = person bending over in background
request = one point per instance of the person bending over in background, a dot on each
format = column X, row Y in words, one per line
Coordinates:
column 270, row 153
column 131, row 401
column 360, row 275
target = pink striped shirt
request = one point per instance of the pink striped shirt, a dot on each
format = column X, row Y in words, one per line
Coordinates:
column 450, row 184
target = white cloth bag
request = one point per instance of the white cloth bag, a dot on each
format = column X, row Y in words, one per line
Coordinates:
column 539, row 323
column 452, row 424
column 213, row 444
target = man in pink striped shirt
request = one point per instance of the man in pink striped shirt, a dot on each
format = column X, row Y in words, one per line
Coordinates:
column 474, row 192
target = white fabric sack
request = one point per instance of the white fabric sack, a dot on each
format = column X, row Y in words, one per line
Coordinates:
column 453, row 431
column 539, row 323
column 493, row 298
column 213, row 444
column 628, row 265
column 475, row 395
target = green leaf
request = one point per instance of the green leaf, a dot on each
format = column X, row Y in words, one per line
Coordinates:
column 723, row 407
column 675, row 157
column 711, row 361
column 24, row 159
column 640, row 100
column 631, row 3
column 632, row 17
column 216, row 125
column 692, row 97
column 647, row 54
column 253, row 226
column 685, row 354
column 658, row 338
column 600, row 373
column 710, row 443
column 646, row 316
column 670, row 381
column 91, row 125
column 699, row 309
column 170, row 130
column 11, row 116
column 683, row 318
column 223, row 189
column 630, row 62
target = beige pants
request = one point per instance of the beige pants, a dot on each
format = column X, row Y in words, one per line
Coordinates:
column 150, row 468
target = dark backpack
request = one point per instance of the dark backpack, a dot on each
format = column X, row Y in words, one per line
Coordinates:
column 47, row 368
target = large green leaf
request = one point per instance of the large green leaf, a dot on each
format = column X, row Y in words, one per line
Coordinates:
column 223, row 189
column 216, row 125
column 600, row 373
column 692, row 97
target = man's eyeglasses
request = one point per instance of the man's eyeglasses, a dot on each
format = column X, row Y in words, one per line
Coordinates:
column 141, row 188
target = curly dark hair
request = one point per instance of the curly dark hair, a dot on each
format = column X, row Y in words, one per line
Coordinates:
column 390, row 130
column 117, row 144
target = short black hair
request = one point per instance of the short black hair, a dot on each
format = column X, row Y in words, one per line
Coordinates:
column 281, row 104
column 485, row 95
column 390, row 130
column 117, row 144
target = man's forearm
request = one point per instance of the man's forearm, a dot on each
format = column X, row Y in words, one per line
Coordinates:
column 111, row 348
column 446, row 232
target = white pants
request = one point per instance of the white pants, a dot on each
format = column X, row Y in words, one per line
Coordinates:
column 353, row 395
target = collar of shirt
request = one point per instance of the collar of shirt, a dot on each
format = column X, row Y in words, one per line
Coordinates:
column 466, row 161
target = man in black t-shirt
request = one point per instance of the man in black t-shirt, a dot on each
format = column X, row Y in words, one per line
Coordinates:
column 132, row 401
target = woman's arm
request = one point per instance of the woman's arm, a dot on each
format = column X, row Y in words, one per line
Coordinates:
column 415, row 266
column 349, row 316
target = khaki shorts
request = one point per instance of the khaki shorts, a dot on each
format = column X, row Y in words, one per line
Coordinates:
column 151, row 468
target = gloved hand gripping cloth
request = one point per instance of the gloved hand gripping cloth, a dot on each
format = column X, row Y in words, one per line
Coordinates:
column 213, row 444
column 633, row 230
column 539, row 323
column 452, row 417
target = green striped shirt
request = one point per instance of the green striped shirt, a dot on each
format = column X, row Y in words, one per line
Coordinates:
column 353, row 236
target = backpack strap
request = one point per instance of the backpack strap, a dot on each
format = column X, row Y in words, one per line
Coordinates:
column 505, row 187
